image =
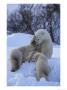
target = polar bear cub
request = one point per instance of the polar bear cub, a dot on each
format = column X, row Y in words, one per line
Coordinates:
column 20, row 55
column 43, row 42
column 42, row 66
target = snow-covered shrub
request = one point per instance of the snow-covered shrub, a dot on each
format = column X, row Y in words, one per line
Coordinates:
column 31, row 17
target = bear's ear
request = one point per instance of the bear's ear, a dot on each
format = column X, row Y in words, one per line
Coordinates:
column 33, row 41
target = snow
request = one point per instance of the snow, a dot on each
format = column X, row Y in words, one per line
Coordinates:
column 25, row 76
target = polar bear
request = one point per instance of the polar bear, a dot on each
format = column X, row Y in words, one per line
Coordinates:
column 43, row 42
column 20, row 55
column 42, row 66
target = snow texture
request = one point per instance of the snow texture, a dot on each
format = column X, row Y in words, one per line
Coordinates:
column 25, row 76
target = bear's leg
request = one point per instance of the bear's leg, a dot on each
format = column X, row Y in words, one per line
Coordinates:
column 15, row 65
column 38, row 75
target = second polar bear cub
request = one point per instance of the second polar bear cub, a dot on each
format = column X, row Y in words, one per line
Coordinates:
column 44, row 42
column 42, row 66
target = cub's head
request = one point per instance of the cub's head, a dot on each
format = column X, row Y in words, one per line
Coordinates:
column 33, row 43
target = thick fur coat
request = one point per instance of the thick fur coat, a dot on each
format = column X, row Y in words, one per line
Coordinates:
column 42, row 66
column 20, row 55
column 43, row 42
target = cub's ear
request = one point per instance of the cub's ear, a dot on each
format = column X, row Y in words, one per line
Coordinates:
column 33, row 41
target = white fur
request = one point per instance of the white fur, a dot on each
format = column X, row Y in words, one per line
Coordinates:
column 44, row 42
column 20, row 55
column 42, row 67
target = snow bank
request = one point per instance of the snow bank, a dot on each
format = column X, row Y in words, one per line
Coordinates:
column 16, row 40
column 25, row 76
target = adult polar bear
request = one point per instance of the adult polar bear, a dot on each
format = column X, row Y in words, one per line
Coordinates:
column 43, row 42
column 45, row 47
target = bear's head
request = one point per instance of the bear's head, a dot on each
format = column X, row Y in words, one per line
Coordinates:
column 40, row 36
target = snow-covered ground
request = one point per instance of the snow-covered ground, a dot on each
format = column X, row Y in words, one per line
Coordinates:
column 25, row 76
